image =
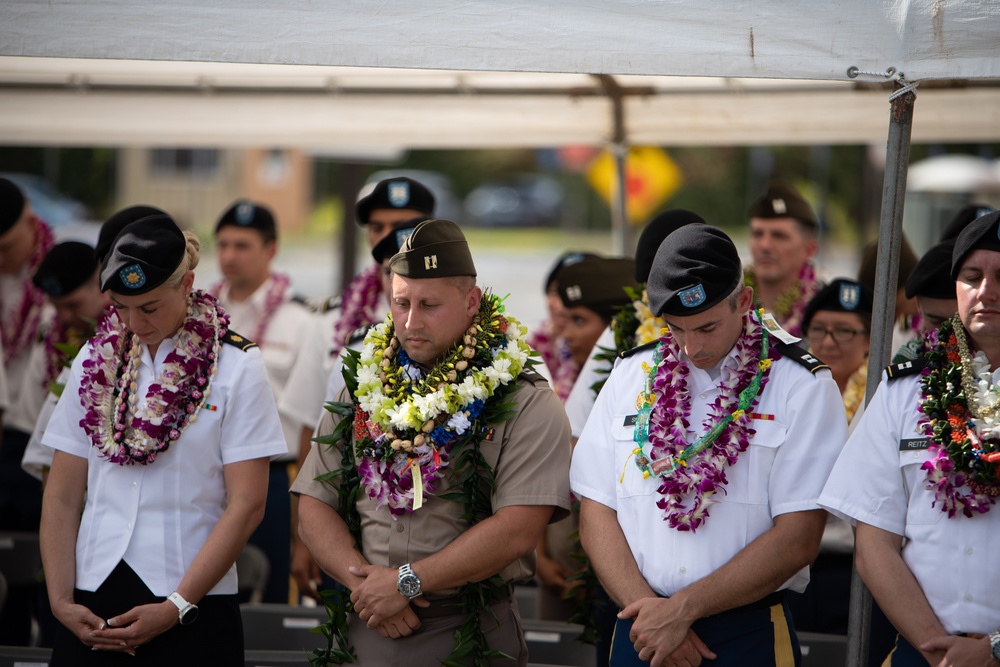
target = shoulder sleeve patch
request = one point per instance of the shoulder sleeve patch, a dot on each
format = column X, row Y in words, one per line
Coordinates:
column 640, row 348
column 905, row 368
column 802, row 357
column 238, row 341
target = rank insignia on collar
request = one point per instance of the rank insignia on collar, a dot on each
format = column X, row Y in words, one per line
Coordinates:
column 132, row 276
column 692, row 297
column 399, row 193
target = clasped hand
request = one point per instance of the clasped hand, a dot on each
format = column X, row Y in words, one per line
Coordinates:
column 124, row 632
column 662, row 637
column 378, row 602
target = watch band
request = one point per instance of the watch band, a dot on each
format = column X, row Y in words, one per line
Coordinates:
column 186, row 612
column 408, row 583
column 995, row 644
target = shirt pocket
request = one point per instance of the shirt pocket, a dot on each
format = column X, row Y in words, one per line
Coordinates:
column 631, row 481
column 764, row 443
column 918, row 501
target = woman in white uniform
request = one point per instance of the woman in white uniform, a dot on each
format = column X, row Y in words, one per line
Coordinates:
column 167, row 424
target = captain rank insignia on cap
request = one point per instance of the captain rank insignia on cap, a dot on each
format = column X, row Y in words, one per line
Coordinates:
column 574, row 293
column 850, row 296
column 430, row 262
column 693, row 297
column 132, row 276
column 244, row 213
column 778, row 205
column 399, row 193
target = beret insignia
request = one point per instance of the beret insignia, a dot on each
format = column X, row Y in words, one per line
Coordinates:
column 692, row 297
column 132, row 276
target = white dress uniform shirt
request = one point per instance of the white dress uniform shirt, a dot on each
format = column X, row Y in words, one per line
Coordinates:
column 11, row 295
column 782, row 471
column 157, row 517
column 37, row 457
column 31, row 394
column 878, row 481
column 284, row 341
column 302, row 401
column 581, row 399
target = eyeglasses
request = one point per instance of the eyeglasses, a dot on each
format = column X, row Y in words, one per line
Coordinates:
column 839, row 334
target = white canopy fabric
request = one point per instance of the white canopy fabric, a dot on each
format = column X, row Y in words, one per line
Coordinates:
column 61, row 101
column 362, row 75
column 925, row 39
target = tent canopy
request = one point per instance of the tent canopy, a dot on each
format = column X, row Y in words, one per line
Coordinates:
column 925, row 39
column 354, row 74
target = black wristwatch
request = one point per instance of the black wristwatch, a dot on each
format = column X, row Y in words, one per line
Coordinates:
column 186, row 611
column 408, row 584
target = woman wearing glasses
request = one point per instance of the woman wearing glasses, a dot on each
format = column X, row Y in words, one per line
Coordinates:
column 837, row 322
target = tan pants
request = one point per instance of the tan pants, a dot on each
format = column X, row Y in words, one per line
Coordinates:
column 435, row 639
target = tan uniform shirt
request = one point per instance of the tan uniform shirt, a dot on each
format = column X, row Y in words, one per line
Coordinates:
column 529, row 455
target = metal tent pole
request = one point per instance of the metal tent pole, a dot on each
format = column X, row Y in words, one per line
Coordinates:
column 622, row 241
column 883, row 316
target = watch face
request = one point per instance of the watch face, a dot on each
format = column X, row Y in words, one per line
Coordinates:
column 189, row 615
column 409, row 585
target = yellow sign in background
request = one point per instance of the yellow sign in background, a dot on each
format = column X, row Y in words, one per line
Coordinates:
column 651, row 178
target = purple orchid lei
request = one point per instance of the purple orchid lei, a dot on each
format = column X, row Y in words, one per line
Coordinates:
column 687, row 491
column 124, row 433
column 20, row 329
column 958, row 459
column 557, row 357
column 275, row 296
column 360, row 306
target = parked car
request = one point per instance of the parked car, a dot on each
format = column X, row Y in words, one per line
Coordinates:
column 527, row 200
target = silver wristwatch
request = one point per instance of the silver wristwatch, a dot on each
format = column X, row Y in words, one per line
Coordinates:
column 995, row 644
column 186, row 611
column 408, row 584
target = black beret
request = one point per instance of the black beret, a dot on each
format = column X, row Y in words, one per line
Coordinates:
column 869, row 264
column 11, row 204
column 401, row 192
column 566, row 259
column 143, row 256
column 434, row 249
column 597, row 283
column 962, row 220
column 932, row 276
column 981, row 234
column 66, row 267
column 652, row 236
column 781, row 200
column 244, row 213
column 842, row 295
column 695, row 268
column 116, row 223
column 393, row 241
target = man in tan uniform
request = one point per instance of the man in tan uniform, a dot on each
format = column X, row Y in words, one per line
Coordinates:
column 442, row 402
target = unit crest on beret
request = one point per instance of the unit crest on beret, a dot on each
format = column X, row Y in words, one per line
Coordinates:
column 238, row 341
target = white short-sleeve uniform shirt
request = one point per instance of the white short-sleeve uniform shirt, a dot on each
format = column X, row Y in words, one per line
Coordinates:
column 157, row 517
column 581, row 399
column 878, row 481
column 783, row 470
column 284, row 340
column 302, row 400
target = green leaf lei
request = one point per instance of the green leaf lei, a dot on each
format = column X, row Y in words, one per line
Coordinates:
column 472, row 484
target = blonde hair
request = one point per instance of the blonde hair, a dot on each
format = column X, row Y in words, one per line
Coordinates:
column 192, row 254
